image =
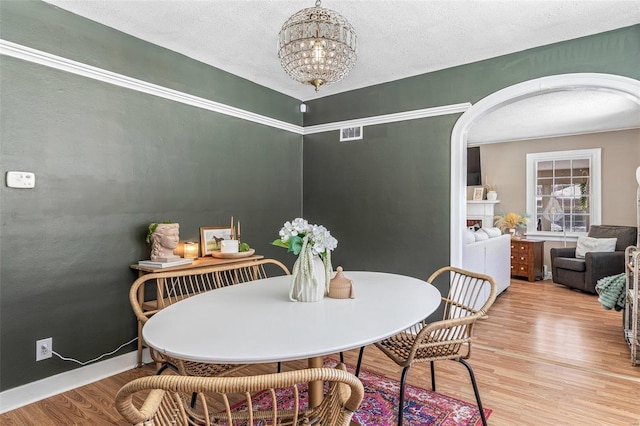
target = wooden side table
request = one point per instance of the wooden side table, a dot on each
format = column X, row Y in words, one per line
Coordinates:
column 200, row 262
column 527, row 259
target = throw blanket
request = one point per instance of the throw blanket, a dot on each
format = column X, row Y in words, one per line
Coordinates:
column 611, row 291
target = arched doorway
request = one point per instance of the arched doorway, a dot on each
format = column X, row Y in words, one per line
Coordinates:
column 623, row 86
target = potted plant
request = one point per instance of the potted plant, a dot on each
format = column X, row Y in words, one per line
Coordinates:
column 510, row 221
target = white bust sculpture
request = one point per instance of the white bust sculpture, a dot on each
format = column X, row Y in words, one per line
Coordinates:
column 164, row 240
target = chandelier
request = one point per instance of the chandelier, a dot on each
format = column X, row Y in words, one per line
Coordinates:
column 317, row 46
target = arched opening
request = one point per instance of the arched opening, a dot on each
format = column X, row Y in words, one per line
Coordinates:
column 623, row 86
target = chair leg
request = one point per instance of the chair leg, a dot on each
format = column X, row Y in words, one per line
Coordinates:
column 433, row 376
column 359, row 361
column 401, row 401
column 164, row 366
column 139, row 364
column 475, row 390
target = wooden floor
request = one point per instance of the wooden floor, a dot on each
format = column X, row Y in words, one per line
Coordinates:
column 547, row 355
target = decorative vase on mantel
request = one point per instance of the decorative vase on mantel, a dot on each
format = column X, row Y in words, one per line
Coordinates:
column 492, row 195
column 310, row 276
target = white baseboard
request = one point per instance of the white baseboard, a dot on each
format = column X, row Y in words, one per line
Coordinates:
column 54, row 385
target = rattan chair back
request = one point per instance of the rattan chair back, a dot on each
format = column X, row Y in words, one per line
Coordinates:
column 178, row 285
column 167, row 288
column 449, row 337
column 166, row 399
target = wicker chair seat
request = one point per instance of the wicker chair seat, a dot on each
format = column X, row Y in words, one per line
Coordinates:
column 403, row 350
column 191, row 368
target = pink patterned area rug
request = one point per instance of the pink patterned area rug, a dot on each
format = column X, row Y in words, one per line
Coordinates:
column 422, row 406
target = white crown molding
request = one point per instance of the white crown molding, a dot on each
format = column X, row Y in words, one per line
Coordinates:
column 72, row 379
column 389, row 118
column 63, row 64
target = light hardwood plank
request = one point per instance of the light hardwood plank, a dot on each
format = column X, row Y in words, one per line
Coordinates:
column 547, row 355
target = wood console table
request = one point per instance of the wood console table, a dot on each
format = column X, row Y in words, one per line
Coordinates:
column 200, row 262
column 527, row 259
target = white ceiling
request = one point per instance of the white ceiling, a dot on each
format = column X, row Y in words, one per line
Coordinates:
column 396, row 38
column 569, row 112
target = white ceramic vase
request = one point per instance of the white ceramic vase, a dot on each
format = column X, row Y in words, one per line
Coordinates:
column 492, row 196
column 309, row 278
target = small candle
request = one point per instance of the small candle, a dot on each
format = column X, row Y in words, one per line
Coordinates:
column 238, row 235
column 190, row 250
column 232, row 229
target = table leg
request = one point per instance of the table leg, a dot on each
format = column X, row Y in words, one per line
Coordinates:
column 315, row 388
column 316, row 393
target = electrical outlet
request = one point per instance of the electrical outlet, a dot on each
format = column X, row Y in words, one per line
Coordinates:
column 44, row 348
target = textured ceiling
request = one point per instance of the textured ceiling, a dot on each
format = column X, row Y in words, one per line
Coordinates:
column 563, row 113
column 396, row 38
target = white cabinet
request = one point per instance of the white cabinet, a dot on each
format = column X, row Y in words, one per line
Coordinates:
column 482, row 210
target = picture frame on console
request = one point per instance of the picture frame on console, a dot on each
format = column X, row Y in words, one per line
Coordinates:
column 478, row 194
column 211, row 236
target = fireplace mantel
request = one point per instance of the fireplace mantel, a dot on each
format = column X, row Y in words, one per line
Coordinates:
column 483, row 210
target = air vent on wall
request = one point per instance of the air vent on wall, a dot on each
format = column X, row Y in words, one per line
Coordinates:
column 350, row 133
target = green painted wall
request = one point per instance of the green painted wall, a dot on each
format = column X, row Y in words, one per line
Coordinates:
column 386, row 197
column 108, row 161
column 613, row 52
column 44, row 27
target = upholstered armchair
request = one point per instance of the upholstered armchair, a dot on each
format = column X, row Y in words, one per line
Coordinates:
column 584, row 273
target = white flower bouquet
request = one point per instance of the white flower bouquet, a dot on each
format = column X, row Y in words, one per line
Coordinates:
column 294, row 234
column 312, row 244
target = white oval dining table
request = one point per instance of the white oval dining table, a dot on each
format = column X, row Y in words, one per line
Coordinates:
column 255, row 322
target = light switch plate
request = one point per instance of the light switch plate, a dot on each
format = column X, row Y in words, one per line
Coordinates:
column 21, row 179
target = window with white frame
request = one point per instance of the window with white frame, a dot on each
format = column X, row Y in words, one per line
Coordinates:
column 563, row 192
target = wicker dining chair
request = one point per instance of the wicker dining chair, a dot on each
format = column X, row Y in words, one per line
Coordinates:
column 449, row 338
column 173, row 286
column 164, row 399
